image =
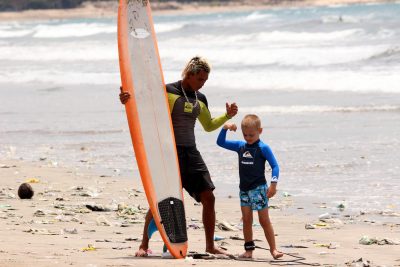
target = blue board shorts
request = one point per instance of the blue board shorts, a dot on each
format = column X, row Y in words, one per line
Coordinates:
column 255, row 198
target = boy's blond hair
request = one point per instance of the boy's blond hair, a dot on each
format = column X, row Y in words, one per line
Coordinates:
column 251, row 121
column 195, row 65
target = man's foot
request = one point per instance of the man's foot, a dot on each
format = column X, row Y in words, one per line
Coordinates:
column 276, row 254
column 141, row 252
column 246, row 255
column 217, row 250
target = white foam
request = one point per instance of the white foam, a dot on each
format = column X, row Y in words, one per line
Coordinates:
column 310, row 109
column 257, row 16
column 5, row 33
column 73, row 30
column 363, row 80
column 68, row 51
column 58, row 77
column 167, row 27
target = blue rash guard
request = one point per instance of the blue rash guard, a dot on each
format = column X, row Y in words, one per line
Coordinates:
column 251, row 161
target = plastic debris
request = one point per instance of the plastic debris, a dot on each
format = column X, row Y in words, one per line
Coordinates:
column 341, row 206
column 366, row 240
column 359, row 263
column 218, row 238
column 97, row 207
column 325, row 216
column 225, row 226
column 32, row 180
column 102, row 221
column 90, row 247
column 72, row 231
column 40, row 231
column 193, row 226
column 310, row 226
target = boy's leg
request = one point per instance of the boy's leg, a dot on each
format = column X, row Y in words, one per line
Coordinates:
column 144, row 246
column 247, row 217
column 263, row 216
column 207, row 199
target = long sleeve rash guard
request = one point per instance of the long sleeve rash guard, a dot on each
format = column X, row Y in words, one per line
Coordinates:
column 251, row 161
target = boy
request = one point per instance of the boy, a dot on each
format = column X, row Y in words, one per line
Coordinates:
column 254, row 192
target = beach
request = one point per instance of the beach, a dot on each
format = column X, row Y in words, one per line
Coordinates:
column 323, row 78
column 59, row 225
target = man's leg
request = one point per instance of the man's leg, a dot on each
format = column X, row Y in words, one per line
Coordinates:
column 144, row 246
column 207, row 199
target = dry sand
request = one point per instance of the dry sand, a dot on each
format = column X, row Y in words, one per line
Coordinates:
column 55, row 227
column 109, row 9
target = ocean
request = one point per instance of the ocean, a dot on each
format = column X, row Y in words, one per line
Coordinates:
column 324, row 80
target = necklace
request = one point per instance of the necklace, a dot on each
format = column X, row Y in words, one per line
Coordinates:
column 187, row 99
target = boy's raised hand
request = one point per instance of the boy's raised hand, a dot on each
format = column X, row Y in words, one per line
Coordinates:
column 230, row 126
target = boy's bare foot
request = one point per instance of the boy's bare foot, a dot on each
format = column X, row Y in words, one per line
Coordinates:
column 246, row 255
column 141, row 252
column 276, row 254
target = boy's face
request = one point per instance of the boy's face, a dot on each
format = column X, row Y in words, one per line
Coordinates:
column 196, row 81
column 251, row 134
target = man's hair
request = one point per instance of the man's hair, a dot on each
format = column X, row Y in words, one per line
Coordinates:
column 251, row 121
column 195, row 65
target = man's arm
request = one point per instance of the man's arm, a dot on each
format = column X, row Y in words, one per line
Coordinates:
column 210, row 124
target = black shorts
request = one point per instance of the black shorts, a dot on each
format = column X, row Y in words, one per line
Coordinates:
column 194, row 173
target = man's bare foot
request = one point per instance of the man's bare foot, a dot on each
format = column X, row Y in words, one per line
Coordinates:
column 216, row 250
column 246, row 255
column 141, row 252
column 276, row 254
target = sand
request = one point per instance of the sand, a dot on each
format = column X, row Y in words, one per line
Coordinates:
column 56, row 227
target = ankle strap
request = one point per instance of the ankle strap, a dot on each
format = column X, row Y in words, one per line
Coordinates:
column 249, row 245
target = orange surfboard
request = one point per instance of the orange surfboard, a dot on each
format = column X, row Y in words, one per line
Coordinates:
column 150, row 123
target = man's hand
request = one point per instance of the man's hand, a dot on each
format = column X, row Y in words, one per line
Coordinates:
column 231, row 109
column 271, row 190
column 123, row 96
column 230, row 126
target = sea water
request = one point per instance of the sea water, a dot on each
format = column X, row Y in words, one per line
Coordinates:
column 324, row 80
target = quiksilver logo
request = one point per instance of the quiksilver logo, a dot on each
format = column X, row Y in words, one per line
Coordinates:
column 247, row 154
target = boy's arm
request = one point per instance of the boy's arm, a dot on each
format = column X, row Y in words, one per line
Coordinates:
column 228, row 144
column 267, row 152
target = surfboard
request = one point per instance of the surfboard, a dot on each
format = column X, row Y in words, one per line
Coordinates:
column 150, row 122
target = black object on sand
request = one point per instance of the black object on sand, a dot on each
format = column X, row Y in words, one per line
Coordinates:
column 25, row 191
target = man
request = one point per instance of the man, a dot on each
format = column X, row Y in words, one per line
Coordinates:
column 187, row 104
